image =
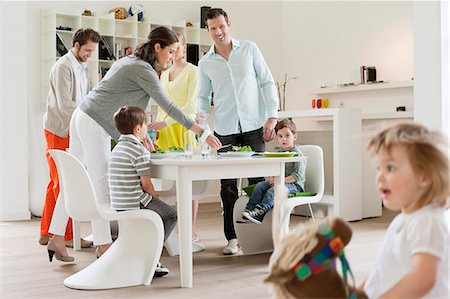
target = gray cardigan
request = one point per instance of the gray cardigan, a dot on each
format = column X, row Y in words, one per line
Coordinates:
column 62, row 96
column 129, row 82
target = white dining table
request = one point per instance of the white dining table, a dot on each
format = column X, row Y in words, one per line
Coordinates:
column 186, row 170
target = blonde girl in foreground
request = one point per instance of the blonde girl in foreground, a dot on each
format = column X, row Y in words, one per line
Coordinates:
column 412, row 177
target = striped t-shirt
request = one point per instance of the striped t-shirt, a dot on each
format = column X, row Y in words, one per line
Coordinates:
column 129, row 161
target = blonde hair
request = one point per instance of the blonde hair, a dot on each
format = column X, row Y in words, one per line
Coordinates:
column 426, row 150
column 181, row 38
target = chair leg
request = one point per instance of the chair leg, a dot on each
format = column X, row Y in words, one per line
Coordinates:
column 311, row 211
column 76, row 235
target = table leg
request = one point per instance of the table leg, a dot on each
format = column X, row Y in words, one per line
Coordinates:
column 184, row 209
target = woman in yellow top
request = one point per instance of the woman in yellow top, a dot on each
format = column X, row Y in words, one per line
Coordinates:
column 180, row 83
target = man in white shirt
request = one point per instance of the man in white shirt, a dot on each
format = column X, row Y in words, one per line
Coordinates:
column 70, row 82
column 245, row 102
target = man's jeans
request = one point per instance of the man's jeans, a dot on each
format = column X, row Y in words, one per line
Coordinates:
column 229, row 192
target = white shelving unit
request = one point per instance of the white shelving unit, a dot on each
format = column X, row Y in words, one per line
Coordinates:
column 377, row 101
column 363, row 87
column 118, row 33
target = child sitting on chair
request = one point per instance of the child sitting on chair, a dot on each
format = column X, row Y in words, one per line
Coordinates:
column 129, row 172
column 262, row 199
column 413, row 178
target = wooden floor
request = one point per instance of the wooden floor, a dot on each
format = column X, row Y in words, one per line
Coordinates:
column 26, row 272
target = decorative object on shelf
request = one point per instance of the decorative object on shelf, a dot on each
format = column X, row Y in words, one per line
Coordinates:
column 65, row 28
column 136, row 9
column 104, row 49
column 61, row 46
column 347, row 84
column 319, row 103
column 313, row 103
column 368, row 74
column 203, row 11
column 189, row 24
column 120, row 13
column 400, row 108
column 282, row 91
column 87, row 13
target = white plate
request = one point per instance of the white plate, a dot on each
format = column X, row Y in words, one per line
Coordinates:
column 237, row 154
column 174, row 154
column 158, row 156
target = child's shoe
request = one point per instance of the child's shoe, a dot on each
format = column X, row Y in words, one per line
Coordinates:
column 160, row 270
column 256, row 215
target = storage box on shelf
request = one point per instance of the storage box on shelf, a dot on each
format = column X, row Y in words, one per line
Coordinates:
column 123, row 36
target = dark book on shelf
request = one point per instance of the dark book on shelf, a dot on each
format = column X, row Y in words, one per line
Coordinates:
column 61, row 47
column 192, row 53
column 105, row 52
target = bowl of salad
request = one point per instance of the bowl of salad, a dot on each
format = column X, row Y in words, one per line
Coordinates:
column 239, row 151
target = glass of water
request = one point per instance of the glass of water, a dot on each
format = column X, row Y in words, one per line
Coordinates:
column 205, row 150
column 189, row 140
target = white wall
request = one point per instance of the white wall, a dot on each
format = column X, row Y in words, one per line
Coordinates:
column 428, row 63
column 326, row 42
column 13, row 109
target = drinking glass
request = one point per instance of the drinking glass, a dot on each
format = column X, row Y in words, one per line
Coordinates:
column 205, row 150
column 189, row 139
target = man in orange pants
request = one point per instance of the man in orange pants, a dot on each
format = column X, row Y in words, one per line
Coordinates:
column 69, row 84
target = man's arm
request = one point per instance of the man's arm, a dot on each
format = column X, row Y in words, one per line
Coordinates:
column 63, row 86
column 204, row 91
column 269, row 92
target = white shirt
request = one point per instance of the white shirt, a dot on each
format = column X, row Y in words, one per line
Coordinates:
column 424, row 231
column 80, row 69
column 244, row 90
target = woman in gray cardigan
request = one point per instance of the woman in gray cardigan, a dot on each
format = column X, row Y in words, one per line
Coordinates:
column 131, row 81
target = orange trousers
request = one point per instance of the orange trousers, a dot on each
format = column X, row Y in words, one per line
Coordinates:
column 51, row 195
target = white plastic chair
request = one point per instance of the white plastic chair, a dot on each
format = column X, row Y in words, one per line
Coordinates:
column 167, row 193
column 132, row 258
column 257, row 238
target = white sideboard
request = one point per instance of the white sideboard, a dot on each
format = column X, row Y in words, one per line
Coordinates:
column 345, row 200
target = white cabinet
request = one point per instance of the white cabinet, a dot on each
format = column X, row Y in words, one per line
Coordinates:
column 376, row 101
column 121, row 35
column 343, row 187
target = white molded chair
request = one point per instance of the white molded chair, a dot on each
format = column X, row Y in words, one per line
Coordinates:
column 132, row 258
column 257, row 238
column 167, row 193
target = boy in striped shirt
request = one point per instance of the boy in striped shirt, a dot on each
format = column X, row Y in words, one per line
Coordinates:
column 129, row 172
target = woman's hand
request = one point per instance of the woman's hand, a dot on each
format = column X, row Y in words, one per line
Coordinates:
column 213, row 142
column 157, row 125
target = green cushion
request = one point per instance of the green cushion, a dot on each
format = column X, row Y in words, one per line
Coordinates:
column 249, row 189
column 305, row 193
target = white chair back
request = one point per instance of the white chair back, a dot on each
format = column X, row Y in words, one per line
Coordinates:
column 315, row 176
column 76, row 187
column 132, row 258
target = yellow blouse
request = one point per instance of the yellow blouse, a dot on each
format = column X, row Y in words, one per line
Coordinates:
column 183, row 92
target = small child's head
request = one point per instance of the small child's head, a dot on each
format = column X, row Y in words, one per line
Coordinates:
column 412, row 166
column 131, row 120
column 286, row 133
